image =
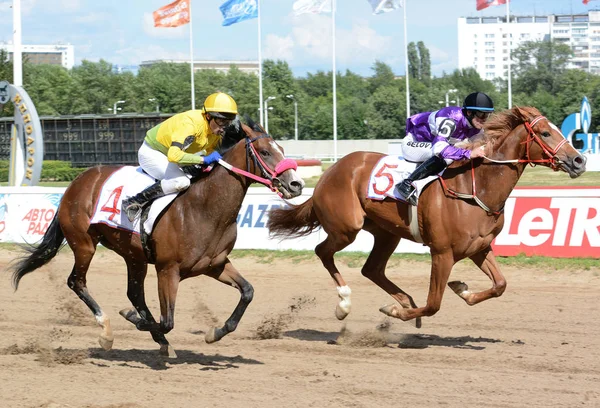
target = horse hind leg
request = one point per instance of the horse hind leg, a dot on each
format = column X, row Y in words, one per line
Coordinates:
column 374, row 269
column 326, row 250
column 84, row 251
column 230, row 276
column 486, row 261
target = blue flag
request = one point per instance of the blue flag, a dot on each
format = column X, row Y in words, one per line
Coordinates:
column 235, row 11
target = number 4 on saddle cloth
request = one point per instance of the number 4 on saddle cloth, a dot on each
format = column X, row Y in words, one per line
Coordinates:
column 388, row 172
column 127, row 182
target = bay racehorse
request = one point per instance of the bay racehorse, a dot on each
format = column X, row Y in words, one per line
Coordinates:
column 458, row 216
column 194, row 236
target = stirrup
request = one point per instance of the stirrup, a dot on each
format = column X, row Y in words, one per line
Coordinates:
column 133, row 211
column 412, row 197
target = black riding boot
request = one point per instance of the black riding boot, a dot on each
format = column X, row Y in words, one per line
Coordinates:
column 133, row 205
column 429, row 167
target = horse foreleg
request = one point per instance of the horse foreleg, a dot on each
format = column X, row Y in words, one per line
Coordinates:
column 325, row 251
column 486, row 261
column 230, row 276
column 374, row 269
column 141, row 315
column 84, row 252
column 441, row 266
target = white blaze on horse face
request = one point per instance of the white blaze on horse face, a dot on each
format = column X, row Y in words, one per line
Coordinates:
column 276, row 148
column 555, row 128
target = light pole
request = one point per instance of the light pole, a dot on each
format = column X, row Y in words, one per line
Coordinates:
column 115, row 106
column 157, row 105
column 295, row 115
column 270, row 98
column 448, row 93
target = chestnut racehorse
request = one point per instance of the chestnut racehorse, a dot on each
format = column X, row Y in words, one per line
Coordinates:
column 458, row 216
column 194, row 236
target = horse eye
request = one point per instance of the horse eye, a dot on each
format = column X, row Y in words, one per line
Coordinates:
column 265, row 153
column 545, row 133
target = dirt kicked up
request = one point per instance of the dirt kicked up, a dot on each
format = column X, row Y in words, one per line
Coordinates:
column 536, row 346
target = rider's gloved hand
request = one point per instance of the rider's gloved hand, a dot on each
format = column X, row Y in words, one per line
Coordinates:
column 212, row 158
column 478, row 152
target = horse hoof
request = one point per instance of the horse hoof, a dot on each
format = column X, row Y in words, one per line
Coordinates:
column 341, row 313
column 418, row 323
column 460, row 288
column 105, row 343
column 211, row 336
column 390, row 310
column 128, row 313
column 167, row 351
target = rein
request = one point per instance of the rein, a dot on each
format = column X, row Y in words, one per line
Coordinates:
column 531, row 137
column 268, row 174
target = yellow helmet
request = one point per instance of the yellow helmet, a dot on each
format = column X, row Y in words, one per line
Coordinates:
column 221, row 105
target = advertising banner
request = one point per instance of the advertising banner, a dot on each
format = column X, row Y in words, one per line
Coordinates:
column 553, row 221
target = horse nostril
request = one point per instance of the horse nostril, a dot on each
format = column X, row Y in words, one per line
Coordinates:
column 295, row 186
column 579, row 161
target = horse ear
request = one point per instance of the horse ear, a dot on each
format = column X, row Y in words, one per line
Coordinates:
column 253, row 125
column 520, row 114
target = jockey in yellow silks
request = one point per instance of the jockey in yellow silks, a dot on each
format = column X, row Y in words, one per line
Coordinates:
column 184, row 139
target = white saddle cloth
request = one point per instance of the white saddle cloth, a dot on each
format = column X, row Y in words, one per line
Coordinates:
column 124, row 183
column 388, row 172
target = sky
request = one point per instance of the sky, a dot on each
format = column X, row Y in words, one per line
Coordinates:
column 122, row 32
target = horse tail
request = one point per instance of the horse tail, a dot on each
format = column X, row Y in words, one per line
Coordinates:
column 40, row 254
column 293, row 221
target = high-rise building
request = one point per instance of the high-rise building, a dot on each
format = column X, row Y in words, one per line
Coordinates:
column 57, row 54
column 484, row 42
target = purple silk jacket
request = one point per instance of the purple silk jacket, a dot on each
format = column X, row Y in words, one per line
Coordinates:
column 442, row 129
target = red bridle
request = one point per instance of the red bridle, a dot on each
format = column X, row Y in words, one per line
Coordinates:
column 531, row 137
column 551, row 153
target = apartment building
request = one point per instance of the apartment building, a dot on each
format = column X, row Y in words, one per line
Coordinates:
column 57, row 54
column 484, row 42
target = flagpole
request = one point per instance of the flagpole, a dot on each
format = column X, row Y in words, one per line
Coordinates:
column 17, row 54
column 191, row 58
column 509, row 54
column 260, row 74
column 406, row 63
column 334, row 83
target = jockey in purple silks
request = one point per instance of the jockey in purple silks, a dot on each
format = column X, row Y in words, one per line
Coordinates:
column 430, row 139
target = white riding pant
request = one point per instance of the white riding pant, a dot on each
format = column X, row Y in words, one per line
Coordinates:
column 418, row 152
column 156, row 164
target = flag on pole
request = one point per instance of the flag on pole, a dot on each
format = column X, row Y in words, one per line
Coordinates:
column 384, row 6
column 586, row 1
column 481, row 4
column 172, row 15
column 235, row 11
column 311, row 6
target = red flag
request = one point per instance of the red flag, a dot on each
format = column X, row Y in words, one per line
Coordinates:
column 586, row 1
column 172, row 15
column 481, row 4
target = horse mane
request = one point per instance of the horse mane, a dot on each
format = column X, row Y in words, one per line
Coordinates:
column 235, row 132
column 501, row 124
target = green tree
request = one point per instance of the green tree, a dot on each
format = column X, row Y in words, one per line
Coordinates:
column 424, row 63
column 49, row 87
column 413, row 61
column 168, row 83
column 539, row 64
column 279, row 82
column 386, row 114
column 383, row 76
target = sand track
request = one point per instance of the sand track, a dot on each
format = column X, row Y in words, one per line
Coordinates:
column 536, row 346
